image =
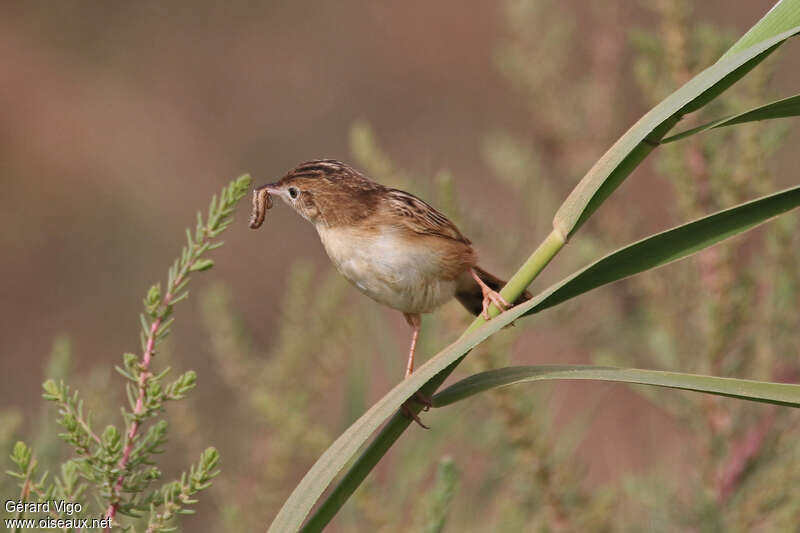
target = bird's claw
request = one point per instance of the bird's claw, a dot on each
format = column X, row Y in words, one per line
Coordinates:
column 409, row 412
column 493, row 297
column 424, row 399
column 406, row 410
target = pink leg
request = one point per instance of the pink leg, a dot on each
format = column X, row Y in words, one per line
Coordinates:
column 489, row 296
column 415, row 321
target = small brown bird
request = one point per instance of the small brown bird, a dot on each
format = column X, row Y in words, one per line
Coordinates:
column 392, row 246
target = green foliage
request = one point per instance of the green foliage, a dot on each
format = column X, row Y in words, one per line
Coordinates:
column 175, row 497
column 780, row 18
column 665, row 247
column 775, row 393
column 637, row 143
column 786, row 107
column 718, row 313
column 117, row 466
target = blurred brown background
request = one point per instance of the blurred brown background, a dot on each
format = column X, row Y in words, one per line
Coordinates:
column 119, row 120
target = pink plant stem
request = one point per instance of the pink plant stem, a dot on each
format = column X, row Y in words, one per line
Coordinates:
column 143, row 376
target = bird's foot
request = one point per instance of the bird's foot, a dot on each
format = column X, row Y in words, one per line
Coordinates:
column 492, row 297
column 424, row 399
column 489, row 296
column 409, row 412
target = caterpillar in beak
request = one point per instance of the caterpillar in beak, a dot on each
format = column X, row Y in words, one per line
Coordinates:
column 261, row 202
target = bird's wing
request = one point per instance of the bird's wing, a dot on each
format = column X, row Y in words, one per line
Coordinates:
column 418, row 216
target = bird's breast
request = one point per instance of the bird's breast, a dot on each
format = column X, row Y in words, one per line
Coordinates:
column 390, row 267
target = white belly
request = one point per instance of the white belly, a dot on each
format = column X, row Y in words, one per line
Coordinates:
column 385, row 268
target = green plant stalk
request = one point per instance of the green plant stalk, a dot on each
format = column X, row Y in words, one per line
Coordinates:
column 529, row 270
column 387, row 436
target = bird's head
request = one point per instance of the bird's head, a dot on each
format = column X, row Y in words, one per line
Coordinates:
column 327, row 192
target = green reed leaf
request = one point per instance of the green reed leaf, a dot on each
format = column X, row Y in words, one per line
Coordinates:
column 626, row 154
column 668, row 246
column 787, row 107
column 758, row 391
column 783, row 16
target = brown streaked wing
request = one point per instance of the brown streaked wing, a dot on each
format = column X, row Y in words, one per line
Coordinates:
column 420, row 217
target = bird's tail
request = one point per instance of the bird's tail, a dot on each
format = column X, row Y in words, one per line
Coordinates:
column 469, row 293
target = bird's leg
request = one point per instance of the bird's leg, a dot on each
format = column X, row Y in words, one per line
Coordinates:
column 415, row 321
column 489, row 296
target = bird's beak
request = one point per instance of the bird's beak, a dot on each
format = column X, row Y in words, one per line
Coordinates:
column 272, row 189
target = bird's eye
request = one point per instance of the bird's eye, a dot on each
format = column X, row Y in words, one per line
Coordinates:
column 293, row 193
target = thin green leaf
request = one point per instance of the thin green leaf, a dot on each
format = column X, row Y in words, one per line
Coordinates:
column 745, row 389
column 201, row 264
column 626, row 154
column 783, row 16
column 787, row 107
column 648, row 253
column 670, row 245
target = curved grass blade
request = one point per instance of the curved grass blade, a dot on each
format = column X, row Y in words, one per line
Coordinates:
column 787, row 107
column 649, row 253
column 782, row 17
column 758, row 391
column 668, row 246
column 626, row 154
